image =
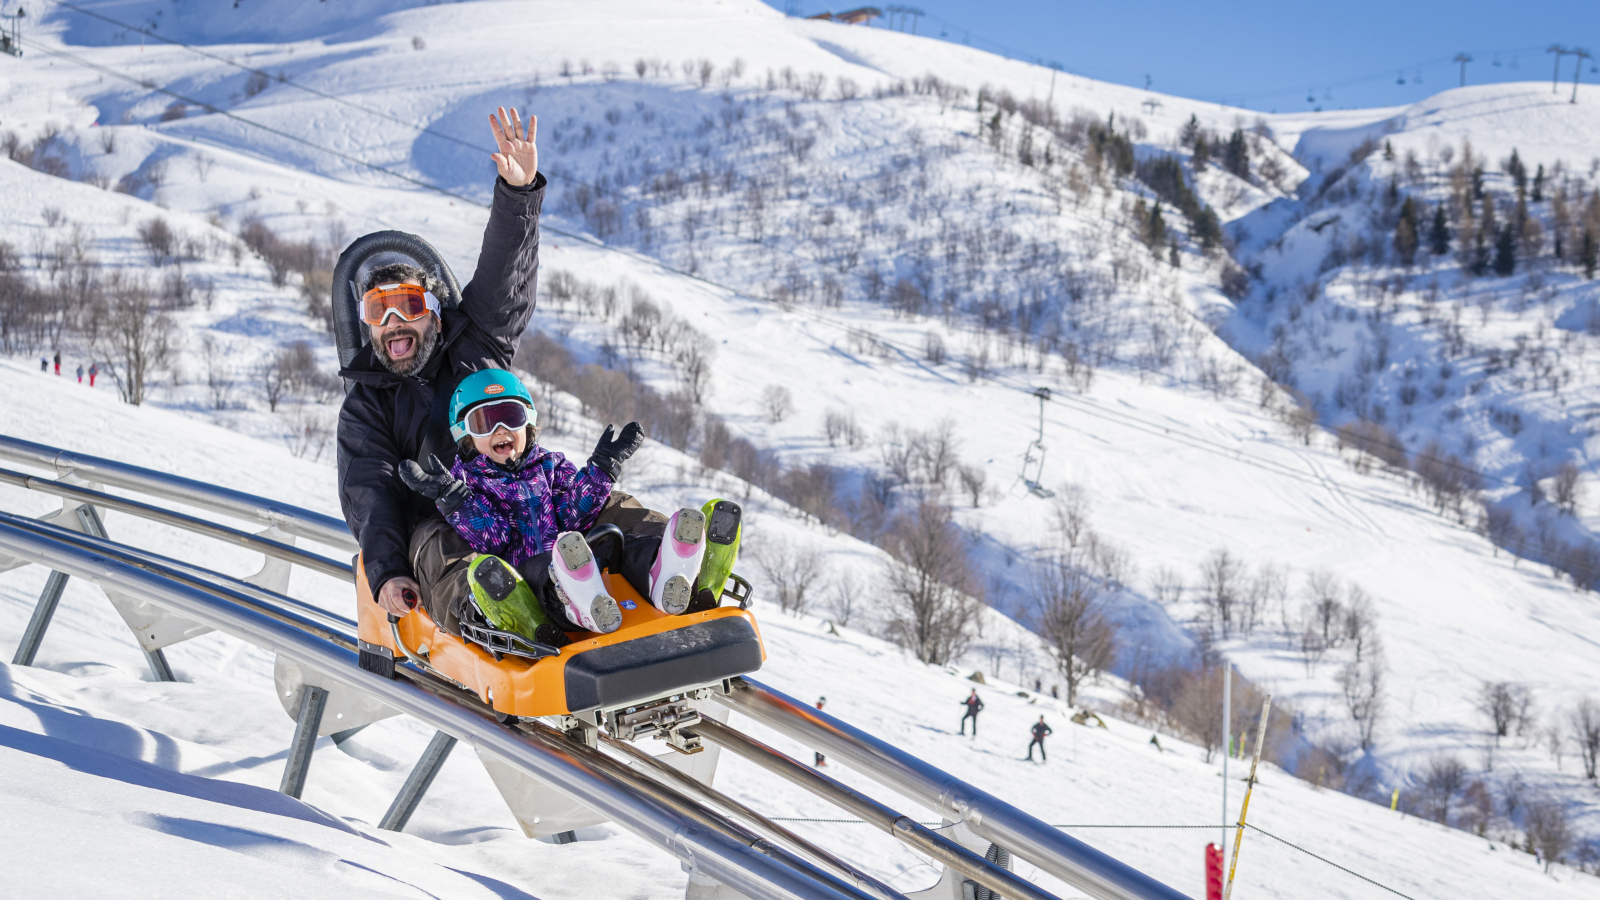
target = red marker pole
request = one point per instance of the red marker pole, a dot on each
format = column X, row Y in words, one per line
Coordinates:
column 1213, row 872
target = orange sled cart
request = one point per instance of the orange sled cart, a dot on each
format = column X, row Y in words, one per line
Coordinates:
column 650, row 656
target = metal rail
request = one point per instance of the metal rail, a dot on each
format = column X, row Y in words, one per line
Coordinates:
column 301, row 615
column 288, row 518
column 902, row 828
column 696, row 845
column 660, row 771
column 276, row 549
column 1045, row 846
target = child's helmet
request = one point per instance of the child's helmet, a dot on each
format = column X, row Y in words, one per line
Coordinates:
column 486, row 386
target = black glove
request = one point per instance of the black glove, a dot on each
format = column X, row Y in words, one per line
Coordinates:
column 610, row 452
column 435, row 482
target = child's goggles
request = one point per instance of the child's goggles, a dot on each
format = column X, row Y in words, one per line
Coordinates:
column 408, row 301
column 511, row 414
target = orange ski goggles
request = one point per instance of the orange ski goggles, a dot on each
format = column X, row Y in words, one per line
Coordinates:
column 408, row 301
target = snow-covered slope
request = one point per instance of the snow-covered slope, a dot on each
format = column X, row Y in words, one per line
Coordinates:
column 174, row 782
column 1178, row 459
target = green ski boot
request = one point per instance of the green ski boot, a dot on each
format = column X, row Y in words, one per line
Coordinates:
column 723, row 528
column 509, row 604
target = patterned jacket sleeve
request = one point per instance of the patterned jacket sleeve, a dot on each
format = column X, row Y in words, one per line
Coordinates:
column 577, row 496
column 477, row 521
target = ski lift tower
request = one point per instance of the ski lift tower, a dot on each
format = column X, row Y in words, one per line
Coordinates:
column 1033, row 457
column 11, row 32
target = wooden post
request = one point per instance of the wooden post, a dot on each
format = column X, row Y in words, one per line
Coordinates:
column 1238, row 834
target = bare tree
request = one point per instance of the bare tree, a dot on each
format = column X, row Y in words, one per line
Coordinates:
column 135, row 339
column 1362, row 683
column 973, row 479
column 1548, row 829
column 842, row 603
column 932, row 610
column 1167, row 585
column 1585, row 723
column 1504, row 703
column 1069, row 509
column 1068, row 616
column 1322, row 590
column 1222, row 582
column 273, row 376
column 776, row 402
column 935, row 451
column 158, row 240
column 1565, row 487
column 1360, row 620
column 219, row 375
column 791, row 570
column 1442, row 779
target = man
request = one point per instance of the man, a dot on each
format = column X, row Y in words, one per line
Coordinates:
column 402, row 380
column 1040, row 729
column 94, row 370
column 58, row 363
column 973, row 704
column 80, row 373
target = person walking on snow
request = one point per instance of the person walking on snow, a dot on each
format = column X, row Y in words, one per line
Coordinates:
column 973, row 705
column 94, row 369
column 80, row 373
column 820, row 761
column 58, row 362
column 1040, row 729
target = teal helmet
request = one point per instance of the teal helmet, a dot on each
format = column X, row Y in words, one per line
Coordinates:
column 486, row 386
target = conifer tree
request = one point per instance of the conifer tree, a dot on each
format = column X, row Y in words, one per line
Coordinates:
column 1202, row 152
column 1191, row 131
column 1155, row 233
column 1505, row 251
column 1405, row 233
column 1589, row 251
column 1388, row 152
column 1236, row 157
column 1538, row 185
column 1439, row 233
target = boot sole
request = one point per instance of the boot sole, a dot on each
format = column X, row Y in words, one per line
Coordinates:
column 691, row 525
column 492, row 574
column 607, row 616
column 675, row 596
column 574, row 550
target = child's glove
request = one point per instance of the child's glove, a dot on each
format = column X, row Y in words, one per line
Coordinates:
column 435, row 482
column 611, row 451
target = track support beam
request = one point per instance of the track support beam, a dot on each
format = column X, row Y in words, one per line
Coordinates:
column 418, row 782
column 312, row 702
column 43, row 612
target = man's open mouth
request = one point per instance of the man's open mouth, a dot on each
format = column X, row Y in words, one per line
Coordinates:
column 400, row 345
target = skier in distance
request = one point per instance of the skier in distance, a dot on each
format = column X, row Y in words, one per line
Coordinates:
column 973, row 704
column 1039, row 730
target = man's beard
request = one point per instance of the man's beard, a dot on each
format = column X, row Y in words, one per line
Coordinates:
column 426, row 341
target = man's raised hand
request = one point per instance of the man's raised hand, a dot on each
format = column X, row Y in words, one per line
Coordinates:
column 518, row 159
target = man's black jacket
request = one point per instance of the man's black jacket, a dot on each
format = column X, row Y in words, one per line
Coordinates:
column 387, row 418
column 1040, row 729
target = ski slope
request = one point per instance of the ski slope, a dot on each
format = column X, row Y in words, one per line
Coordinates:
column 1172, row 472
column 183, row 774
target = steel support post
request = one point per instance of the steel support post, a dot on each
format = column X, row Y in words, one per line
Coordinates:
column 312, row 702
column 40, row 621
column 418, row 782
column 90, row 517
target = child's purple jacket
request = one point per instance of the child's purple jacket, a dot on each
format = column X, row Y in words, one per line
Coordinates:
column 518, row 515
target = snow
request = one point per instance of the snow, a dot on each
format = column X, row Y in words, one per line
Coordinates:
column 176, row 773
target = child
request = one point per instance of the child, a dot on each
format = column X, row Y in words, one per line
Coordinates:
column 525, row 508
